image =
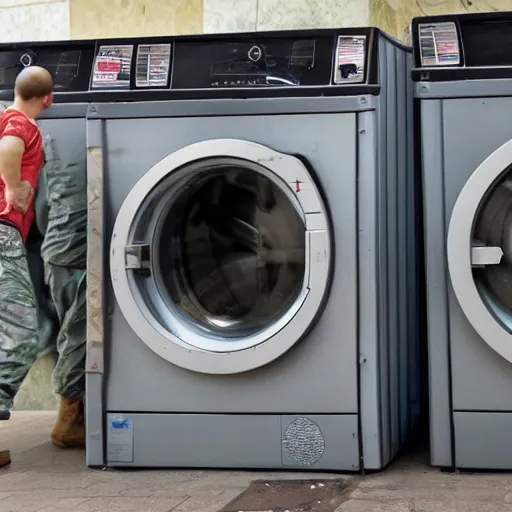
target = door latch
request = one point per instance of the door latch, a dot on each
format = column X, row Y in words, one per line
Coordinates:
column 138, row 259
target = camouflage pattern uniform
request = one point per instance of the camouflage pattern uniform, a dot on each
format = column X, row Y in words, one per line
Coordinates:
column 18, row 315
column 61, row 215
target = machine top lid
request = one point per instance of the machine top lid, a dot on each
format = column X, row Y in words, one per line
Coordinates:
column 260, row 64
column 462, row 46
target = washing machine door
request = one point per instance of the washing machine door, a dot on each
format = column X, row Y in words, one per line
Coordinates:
column 480, row 250
column 220, row 256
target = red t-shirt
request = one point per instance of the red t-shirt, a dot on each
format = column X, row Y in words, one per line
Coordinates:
column 16, row 123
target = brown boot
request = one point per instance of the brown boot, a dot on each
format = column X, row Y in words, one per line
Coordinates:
column 5, row 458
column 69, row 429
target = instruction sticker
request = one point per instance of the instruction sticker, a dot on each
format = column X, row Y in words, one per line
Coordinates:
column 120, row 440
column 112, row 67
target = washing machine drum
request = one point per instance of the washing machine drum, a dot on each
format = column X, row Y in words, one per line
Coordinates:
column 493, row 228
column 232, row 254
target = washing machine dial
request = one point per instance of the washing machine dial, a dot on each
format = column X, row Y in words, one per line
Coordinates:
column 255, row 53
column 26, row 60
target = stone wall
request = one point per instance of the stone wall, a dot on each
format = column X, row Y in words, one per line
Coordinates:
column 23, row 20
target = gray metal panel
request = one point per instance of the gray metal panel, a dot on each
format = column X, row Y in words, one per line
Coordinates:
column 404, row 138
column 94, row 419
column 436, row 275
column 369, row 335
column 225, row 441
column 68, row 134
column 482, row 440
column 201, row 108
column 382, row 242
column 414, row 235
column 463, row 89
column 65, row 110
column 320, row 374
column 481, row 379
column 392, row 206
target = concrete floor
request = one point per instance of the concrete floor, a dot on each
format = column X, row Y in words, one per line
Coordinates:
column 44, row 479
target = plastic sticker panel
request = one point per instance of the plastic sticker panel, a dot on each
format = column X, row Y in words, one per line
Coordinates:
column 350, row 59
column 439, row 44
column 152, row 68
column 112, row 67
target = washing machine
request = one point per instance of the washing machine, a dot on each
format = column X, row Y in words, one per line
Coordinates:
column 251, row 252
column 463, row 79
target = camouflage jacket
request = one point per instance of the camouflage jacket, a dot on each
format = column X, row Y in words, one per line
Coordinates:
column 61, row 207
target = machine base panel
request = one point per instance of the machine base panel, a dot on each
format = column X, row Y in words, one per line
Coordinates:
column 483, row 440
column 306, row 442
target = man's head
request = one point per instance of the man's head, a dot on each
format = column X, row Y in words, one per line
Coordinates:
column 34, row 88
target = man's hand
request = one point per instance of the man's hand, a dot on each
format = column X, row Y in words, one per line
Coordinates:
column 18, row 197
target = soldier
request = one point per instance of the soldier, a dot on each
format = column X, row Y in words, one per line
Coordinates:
column 61, row 216
column 21, row 159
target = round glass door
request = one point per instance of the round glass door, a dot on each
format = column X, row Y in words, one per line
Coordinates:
column 480, row 250
column 217, row 257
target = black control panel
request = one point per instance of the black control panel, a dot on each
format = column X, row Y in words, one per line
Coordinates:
column 254, row 62
column 287, row 63
column 462, row 47
column 69, row 63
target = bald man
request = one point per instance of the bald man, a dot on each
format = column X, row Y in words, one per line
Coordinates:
column 21, row 160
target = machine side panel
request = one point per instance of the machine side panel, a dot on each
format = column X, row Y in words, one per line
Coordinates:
column 436, row 276
column 395, row 340
column 382, row 251
column 369, row 335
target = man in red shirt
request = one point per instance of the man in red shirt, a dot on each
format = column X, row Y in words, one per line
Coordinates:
column 21, row 159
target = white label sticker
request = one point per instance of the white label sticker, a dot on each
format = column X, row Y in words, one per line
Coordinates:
column 120, row 440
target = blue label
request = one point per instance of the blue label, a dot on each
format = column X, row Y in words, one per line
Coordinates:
column 120, row 424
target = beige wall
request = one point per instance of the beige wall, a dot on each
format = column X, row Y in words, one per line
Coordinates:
column 23, row 20
column 119, row 18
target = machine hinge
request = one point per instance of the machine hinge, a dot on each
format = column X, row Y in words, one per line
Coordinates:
column 138, row 259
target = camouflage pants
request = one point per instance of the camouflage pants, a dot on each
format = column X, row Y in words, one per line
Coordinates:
column 18, row 315
column 68, row 293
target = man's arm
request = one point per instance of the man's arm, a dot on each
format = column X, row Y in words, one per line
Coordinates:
column 11, row 153
column 17, row 192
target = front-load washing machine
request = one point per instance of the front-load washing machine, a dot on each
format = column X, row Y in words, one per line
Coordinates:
column 463, row 85
column 253, row 252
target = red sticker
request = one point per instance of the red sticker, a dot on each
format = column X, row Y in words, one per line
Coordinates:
column 109, row 66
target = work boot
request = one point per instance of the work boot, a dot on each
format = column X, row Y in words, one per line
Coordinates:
column 69, row 429
column 5, row 456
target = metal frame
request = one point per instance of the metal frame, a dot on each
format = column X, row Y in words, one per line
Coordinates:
column 232, row 107
column 95, row 295
column 459, row 251
column 433, row 171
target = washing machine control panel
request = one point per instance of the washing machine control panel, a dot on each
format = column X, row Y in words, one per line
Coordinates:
column 462, row 47
column 317, row 62
column 69, row 63
column 253, row 62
